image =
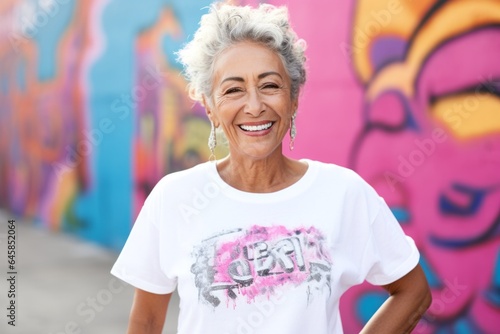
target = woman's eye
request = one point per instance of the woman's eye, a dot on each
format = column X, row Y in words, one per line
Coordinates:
column 233, row 90
column 270, row 86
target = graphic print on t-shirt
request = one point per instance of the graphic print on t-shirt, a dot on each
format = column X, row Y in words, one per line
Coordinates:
column 247, row 264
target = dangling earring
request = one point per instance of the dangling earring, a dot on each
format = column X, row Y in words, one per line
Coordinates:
column 293, row 132
column 212, row 142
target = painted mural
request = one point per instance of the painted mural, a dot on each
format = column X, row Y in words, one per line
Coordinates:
column 93, row 112
column 430, row 144
column 42, row 109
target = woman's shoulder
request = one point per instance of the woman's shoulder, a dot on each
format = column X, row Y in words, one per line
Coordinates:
column 185, row 178
column 341, row 178
column 334, row 171
column 348, row 184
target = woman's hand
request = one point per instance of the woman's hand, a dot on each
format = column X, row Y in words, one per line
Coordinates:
column 409, row 298
column 148, row 312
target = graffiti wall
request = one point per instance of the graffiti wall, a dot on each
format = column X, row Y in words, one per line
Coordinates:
column 42, row 109
column 93, row 111
column 430, row 144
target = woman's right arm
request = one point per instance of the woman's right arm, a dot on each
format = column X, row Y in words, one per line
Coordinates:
column 148, row 312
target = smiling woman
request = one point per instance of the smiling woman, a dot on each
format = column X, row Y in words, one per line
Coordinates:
column 248, row 232
column 252, row 103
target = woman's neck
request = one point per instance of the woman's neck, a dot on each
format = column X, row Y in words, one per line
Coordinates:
column 269, row 174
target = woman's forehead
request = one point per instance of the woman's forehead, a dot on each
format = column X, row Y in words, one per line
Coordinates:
column 247, row 60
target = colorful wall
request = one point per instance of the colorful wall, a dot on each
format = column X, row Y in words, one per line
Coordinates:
column 93, row 112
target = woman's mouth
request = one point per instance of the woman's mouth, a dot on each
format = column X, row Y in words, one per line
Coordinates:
column 255, row 128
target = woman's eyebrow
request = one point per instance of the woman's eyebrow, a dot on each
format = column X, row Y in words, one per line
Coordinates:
column 265, row 74
column 260, row 76
column 239, row 79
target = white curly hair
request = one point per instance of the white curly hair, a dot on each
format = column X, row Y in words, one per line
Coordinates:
column 225, row 25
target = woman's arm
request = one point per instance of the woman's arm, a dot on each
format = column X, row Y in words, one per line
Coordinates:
column 409, row 298
column 148, row 312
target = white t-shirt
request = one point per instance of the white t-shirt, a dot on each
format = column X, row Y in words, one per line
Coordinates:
column 263, row 263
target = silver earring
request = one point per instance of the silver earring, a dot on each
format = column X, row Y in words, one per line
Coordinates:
column 212, row 142
column 293, row 132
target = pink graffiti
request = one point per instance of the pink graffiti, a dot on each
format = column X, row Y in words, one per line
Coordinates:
column 258, row 261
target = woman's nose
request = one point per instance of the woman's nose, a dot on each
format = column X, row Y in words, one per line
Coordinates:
column 254, row 104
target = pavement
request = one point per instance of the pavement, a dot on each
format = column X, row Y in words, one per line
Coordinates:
column 63, row 285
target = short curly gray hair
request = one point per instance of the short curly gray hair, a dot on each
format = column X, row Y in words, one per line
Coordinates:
column 225, row 25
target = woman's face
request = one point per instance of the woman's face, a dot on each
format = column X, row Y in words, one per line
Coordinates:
column 251, row 100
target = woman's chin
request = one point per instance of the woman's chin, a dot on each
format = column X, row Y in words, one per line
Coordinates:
column 257, row 152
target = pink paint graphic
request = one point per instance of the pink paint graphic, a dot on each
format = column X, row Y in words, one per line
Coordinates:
column 256, row 262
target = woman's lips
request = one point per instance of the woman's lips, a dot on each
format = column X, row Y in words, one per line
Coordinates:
column 257, row 129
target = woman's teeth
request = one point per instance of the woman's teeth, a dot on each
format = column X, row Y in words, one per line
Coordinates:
column 256, row 127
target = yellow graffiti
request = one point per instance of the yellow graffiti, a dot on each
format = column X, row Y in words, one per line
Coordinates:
column 400, row 18
column 469, row 116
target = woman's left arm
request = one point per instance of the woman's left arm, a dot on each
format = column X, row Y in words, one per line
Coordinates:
column 409, row 298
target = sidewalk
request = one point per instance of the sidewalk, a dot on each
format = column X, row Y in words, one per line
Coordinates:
column 64, row 286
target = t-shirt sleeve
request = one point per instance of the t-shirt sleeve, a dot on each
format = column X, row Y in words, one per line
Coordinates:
column 389, row 253
column 139, row 261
